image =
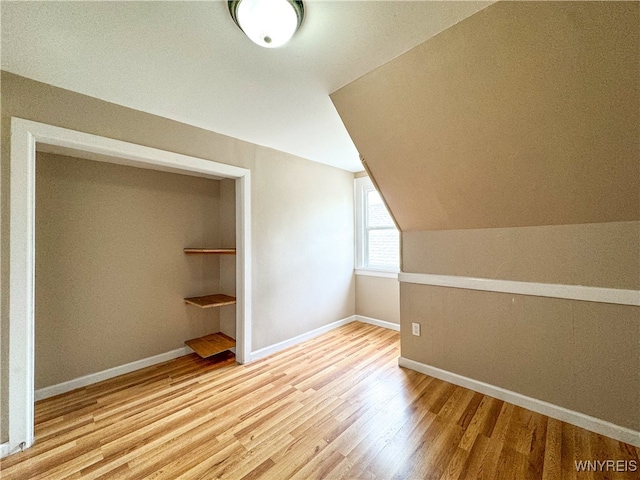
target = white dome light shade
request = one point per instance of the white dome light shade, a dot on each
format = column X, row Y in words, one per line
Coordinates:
column 268, row 23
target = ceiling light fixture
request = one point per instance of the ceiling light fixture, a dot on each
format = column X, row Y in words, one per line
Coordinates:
column 268, row 23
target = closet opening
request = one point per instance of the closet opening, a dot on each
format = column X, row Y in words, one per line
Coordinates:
column 164, row 231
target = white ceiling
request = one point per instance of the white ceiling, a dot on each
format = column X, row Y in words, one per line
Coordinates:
column 189, row 62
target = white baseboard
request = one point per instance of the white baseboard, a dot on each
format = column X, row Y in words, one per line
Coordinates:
column 276, row 347
column 65, row 387
column 270, row 350
column 587, row 422
column 379, row 323
column 6, row 450
column 90, row 379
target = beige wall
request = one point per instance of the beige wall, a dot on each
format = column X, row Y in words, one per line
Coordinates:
column 378, row 298
column 583, row 356
column 302, row 212
column 594, row 254
column 524, row 114
column 508, row 147
column 110, row 271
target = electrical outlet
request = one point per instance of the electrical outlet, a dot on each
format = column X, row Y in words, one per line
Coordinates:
column 415, row 329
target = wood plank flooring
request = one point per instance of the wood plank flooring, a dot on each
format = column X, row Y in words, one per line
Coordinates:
column 335, row 407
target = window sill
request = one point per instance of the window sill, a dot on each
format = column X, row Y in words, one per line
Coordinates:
column 376, row 273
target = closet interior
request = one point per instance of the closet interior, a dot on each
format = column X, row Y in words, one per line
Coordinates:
column 131, row 263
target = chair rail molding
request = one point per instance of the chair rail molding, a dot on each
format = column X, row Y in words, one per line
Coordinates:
column 569, row 292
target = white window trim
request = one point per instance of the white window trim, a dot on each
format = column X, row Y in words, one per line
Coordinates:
column 362, row 186
column 365, row 272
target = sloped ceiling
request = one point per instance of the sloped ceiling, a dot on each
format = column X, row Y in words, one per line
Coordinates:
column 523, row 114
column 187, row 61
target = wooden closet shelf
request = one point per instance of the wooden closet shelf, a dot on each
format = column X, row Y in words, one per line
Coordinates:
column 218, row 251
column 209, row 301
column 211, row 344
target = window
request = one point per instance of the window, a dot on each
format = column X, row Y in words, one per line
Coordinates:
column 377, row 239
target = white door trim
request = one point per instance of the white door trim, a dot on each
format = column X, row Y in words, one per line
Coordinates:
column 25, row 134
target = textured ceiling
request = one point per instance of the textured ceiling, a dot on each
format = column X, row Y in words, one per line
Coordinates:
column 188, row 61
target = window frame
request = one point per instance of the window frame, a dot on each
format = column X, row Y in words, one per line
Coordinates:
column 362, row 187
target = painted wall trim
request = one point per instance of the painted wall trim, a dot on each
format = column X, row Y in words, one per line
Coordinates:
column 570, row 292
column 92, row 378
column 582, row 420
column 378, row 323
column 4, row 450
column 22, row 287
column 376, row 273
column 25, row 134
column 276, row 347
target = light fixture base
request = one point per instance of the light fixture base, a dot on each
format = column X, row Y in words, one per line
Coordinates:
column 268, row 23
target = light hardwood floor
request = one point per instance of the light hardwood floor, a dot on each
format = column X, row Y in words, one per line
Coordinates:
column 337, row 406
